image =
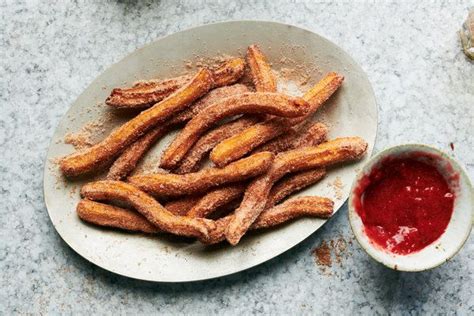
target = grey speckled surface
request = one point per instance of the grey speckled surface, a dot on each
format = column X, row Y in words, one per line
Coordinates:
column 50, row 52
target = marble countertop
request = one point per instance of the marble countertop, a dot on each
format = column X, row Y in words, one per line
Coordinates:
column 49, row 53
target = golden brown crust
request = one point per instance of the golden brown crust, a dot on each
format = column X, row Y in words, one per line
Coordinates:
column 280, row 143
column 198, row 182
column 148, row 207
column 256, row 195
column 293, row 183
column 258, row 102
column 146, row 93
column 229, row 72
column 216, row 198
column 311, row 206
column 210, row 98
column 95, row 156
column 111, row 216
column 262, row 76
column 301, row 136
column 129, row 158
column 240, row 144
column 182, row 205
column 297, row 207
column 191, row 162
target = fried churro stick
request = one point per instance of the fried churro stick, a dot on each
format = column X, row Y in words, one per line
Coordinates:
column 212, row 97
column 220, row 196
column 191, row 183
column 204, row 145
column 145, row 94
column 148, row 207
column 182, row 205
column 128, row 160
column 99, row 154
column 312, row 206
column 229, row 72
column 293, row 183
column 259, row 102
column 260, row 71
column 238, row 145
column 303, row 136
column 111, row 216
column 306, row 158
column 216, row 198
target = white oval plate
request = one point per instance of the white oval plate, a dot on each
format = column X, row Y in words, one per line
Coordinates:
column 352, row 111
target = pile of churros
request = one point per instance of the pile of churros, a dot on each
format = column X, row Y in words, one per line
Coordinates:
column 263, row 145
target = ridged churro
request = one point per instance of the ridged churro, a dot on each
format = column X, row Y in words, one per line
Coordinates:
column 302, row 136
column 256, row 195
column 99, row 154
column 147, row 93
column 216, row 198
column 148, row 207
column 129, row 158
column 193, row 158
column 238, row 145
column 223, row 196
column 258, row 102
column 229, row 72
column 112, row 216
column 262, row 76
column 293, row 183
column 212, row 97
column 115, row 217
column 312, row 206
column 191, row 183
column 182, row 205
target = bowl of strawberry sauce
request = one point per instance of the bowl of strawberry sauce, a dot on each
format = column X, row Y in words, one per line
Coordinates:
column 411, row 207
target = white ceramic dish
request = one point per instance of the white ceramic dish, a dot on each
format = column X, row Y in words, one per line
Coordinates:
column 352, row 111
column 459, row 227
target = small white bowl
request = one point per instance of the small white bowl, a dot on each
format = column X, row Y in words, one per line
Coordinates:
column 459, row 227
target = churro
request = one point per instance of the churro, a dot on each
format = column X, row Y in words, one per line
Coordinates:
column 115, row 217
column 146, row 93
column 293, row 183
column 129, row 158
column 182, row 205
column 302, row 136
column 238, row 145
column 229, row 72
column 258, row 102
column 193, row 158
column 306, row 158
column 216, row 198
column 101, row 153
column 112, row 216
column 191, row 183
column 260, row 71
column 148, row 207
column 311, row 206
column 212, row 97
